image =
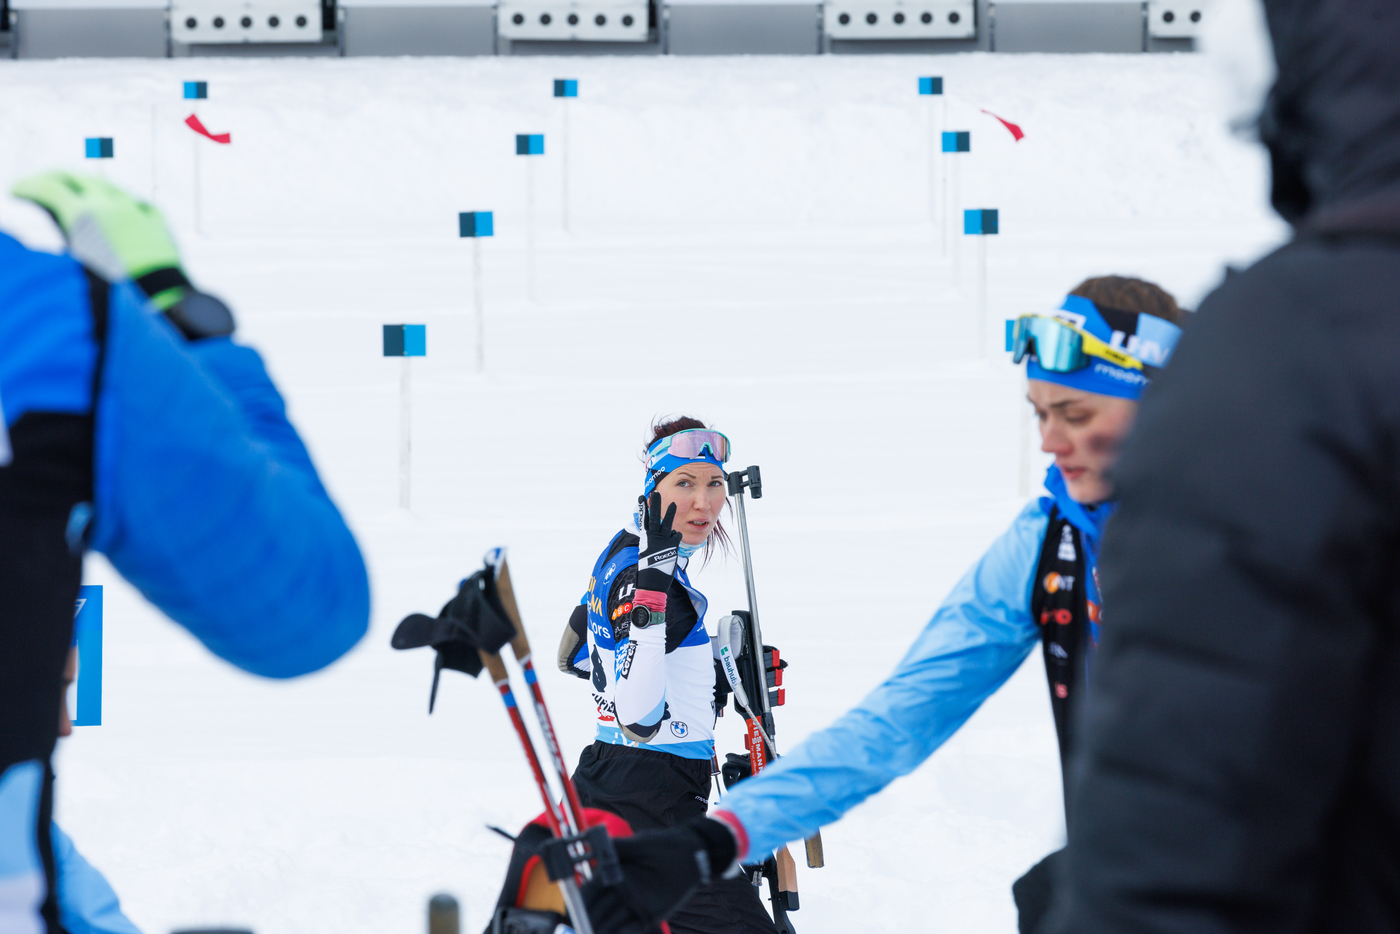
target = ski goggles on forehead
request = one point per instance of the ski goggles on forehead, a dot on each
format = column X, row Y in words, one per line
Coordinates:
column 692, row 443
column 1062, row 347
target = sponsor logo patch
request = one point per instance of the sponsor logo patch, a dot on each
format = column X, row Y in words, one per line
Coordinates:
column 621, row 611
column 679, row 729
column 1054, row 582
column 1066, row 552
column 627, row 662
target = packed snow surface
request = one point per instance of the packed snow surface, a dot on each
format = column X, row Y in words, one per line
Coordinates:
column 749, row 241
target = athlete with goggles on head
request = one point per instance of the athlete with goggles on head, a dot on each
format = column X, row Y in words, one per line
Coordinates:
column 1088, row 363
column 638, row 637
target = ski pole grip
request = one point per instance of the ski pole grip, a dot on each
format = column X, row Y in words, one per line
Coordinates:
column 494, row 665
column 519, row 643
column 816, row 859
column 755, row 482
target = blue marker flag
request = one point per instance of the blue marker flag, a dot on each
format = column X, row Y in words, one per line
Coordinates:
column 930, row 85
column 565, row 87
column 196, row 90
column 98, row 147
column 405, row 340
column 475, row 224
column 529, row 144
column 980, row 221
column 957, row 141
column 87, row 636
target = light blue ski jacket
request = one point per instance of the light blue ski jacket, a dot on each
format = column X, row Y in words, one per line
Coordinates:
column 86, row 902
column 974, row 643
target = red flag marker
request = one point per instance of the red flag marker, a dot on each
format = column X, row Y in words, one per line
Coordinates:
column 1015, row 130
column 193, row 123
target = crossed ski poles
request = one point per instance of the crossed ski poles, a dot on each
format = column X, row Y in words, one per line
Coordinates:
column 567, row 824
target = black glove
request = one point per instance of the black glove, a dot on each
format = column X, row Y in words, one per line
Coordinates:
column 659, row 548
column 471, row 621
column 722, row 688
column 660, row 868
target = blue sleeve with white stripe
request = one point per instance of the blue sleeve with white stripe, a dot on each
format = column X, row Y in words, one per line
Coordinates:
column 975, row 641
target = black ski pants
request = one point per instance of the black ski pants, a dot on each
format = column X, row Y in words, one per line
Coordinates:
column 653, row 790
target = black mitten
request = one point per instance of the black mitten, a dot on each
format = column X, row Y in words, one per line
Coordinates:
column 660, row 868
column 472, row 621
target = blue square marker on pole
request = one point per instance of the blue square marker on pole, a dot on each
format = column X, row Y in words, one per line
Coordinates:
column 406, row 341
column 957, row 141
column 1010, row 335
column 529, row 144
column 980, row 221
column 930, row 85
column 475, row 224
column 87, row 636
column 196, row 90
column 98, row 147
column 565, row 87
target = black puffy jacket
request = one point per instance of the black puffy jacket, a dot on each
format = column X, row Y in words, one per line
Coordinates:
column 1239, row 765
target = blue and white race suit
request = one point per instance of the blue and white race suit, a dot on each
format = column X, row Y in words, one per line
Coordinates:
column 653, row 687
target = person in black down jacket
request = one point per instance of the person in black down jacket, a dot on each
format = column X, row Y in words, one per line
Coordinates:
column 1239, row 765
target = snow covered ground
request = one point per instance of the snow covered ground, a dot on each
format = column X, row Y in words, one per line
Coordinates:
column 750, row 243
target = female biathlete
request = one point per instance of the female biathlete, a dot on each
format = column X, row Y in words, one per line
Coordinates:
column 1088, row 362
column 638, row 636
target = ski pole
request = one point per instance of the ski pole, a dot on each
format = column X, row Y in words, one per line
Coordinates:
column 520, row 645
column 573, row 899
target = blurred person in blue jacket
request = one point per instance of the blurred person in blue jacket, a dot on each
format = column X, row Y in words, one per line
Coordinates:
column 1088, row 362
column 135, row 426
column 86, row 902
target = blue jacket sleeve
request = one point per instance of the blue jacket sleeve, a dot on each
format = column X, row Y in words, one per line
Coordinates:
column 976, row 640
column 207, row 501
column 86, row 902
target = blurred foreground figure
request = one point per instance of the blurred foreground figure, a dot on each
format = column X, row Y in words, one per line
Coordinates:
column 139, row 429
column 1239, row 762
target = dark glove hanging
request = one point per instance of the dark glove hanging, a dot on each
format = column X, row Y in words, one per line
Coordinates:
column 722, row 688
column 660, row 868
column 470, row 622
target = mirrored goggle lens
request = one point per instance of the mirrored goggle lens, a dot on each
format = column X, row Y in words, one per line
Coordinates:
column 1057, row 347
column 692, row 443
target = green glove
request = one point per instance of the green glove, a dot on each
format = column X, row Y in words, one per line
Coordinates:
column 110, row 231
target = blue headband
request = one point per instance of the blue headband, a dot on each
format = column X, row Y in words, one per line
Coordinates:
column 1143, row 336
column 660, row 461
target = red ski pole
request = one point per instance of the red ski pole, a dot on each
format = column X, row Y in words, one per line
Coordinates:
column 520, row 645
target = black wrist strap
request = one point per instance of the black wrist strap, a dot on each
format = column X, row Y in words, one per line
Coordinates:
column 158, row 280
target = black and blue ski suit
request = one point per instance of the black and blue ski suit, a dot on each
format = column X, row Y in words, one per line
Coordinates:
column 656, row 707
